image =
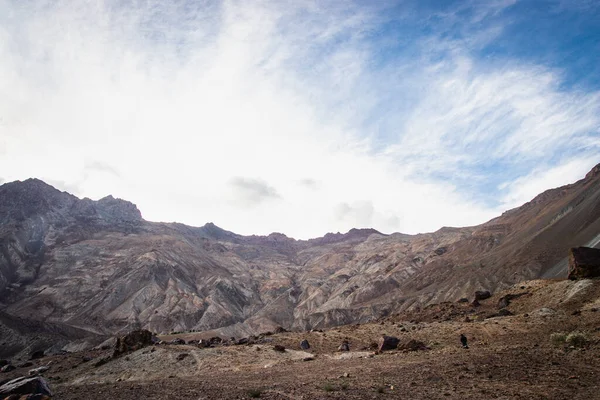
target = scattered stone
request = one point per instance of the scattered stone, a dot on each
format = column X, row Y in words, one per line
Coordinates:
column 37, row 354
column 475, row 303
column 304, row 345
column 177, row 341
column 134, row 340
column 8, row 368
column 308, row 358
column 440, row 250
column 26, row 364
column 463, row 300
column 345, row 346
column 576, row 312
column 26, row 385
column 584, row 262
column 504, row 313
column 388, row 343
column 215, row 340
column 86, row 359
column 242, row 341
column 182, row 356
column 280, row 329
column 38, row 370
column 482, row 295
column 279, row 348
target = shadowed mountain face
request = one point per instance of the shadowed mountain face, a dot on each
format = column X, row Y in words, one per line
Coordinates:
column 97, row 266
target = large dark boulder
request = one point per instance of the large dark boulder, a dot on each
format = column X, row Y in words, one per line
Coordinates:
column 134, row 340
column 584, row 262
column 388, row 343
column 26, row 385
column 482, row 295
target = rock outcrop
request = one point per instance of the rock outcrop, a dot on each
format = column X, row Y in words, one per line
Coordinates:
column 26, row 386
column 133, row 341
column 584, row 262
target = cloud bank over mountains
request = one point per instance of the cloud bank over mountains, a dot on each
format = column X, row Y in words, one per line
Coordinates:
column 300, row 117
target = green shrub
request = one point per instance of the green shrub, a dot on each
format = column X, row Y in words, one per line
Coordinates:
column 558, row 338
column 328, row 387
column 576, row 339
column 572, row 339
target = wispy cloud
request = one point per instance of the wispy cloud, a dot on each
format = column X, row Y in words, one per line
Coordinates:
column 252, row 191
column 319, row 116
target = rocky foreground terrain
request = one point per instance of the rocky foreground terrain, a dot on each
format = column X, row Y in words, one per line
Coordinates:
column 75, row 271
column 535, row 340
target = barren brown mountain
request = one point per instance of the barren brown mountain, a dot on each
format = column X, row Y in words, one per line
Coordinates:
column 74, row 271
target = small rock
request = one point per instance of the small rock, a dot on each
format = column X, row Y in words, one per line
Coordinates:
column 181, row 356
column 345, row 346
column 38, row 370
column 304, row 345
column 279, row 348
column 8, row 368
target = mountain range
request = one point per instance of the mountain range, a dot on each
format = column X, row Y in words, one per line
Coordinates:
column 74, row 268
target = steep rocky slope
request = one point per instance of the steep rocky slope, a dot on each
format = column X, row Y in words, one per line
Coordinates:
column 97, row 266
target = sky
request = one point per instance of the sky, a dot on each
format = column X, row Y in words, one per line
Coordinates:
column 302, row 117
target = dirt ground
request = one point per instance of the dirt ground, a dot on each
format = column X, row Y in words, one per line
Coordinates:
column 509, row 357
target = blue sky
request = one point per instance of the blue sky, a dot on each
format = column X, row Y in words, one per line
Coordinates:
column 302, row 117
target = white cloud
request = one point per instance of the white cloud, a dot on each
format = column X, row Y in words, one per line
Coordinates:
column 267, row 116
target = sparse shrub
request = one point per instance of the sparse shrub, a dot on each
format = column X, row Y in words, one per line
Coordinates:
column 328, row 387
column 558, row 338
column 344, row 386
column 254, row 393
column 573, row 339
column 380, row 389
column 576, row 339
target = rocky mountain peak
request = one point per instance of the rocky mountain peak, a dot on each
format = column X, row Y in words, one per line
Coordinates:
column 594, row 172
column 31, row 197
column 118, row 209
